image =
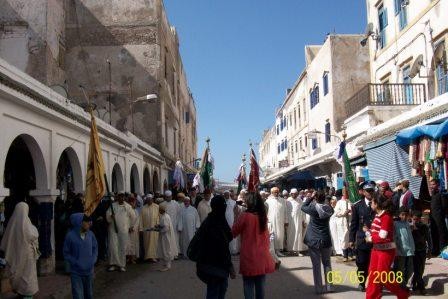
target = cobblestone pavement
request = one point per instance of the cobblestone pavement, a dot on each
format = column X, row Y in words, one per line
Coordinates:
column 294, row 280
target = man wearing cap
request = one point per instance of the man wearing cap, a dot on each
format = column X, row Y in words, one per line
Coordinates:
column 189, row 222
column 296, row 220
column 121, row 219
column 204, row 205
column 172, row 208
column 362, row 215
column 277, row 219
column 194, row 197
column 149, row 218
column 285, row 194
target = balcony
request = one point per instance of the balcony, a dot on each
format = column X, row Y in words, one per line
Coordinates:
column 404, row 94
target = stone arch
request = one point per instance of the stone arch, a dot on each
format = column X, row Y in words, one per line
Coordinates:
column 69, row 171
column 146, row 181
column 24, row 170
column 117, row 179
column 135, row 179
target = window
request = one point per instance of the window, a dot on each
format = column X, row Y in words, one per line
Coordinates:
column 441, row 71
column 295, row 118
column 304, row 110
column 278, row 131
column 382, row 20
column 314, row 143
column 325, row 83
column 306, row 142
column 286, row 144
column 278, row 148
column 290, row 119
column 314, row 96
column 327, row 132
column 295, row 145
column 401, row 11
column 285, row 122
column 187, row 117
column 300, row 143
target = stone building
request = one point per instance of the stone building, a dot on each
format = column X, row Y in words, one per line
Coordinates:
column 119, row 51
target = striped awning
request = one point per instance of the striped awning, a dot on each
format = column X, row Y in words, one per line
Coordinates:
column 389, row 162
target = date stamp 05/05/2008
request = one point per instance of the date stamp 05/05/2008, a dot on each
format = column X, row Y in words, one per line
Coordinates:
column 352, row 277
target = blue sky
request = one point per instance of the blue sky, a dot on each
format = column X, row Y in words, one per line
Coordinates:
column 240, row 57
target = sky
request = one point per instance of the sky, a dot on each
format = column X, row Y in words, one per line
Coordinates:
column 240, row 56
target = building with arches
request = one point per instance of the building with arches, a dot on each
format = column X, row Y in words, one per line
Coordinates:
column 44, row 149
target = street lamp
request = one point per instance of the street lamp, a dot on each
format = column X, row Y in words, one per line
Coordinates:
column 312, row 135
column 149, row 98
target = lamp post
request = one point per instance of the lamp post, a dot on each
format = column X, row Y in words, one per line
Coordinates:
column 149, row 98
column 312, row 135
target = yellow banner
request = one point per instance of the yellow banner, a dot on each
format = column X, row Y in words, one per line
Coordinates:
column 95, row 181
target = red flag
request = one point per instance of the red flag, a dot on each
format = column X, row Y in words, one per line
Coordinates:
column 254, row 176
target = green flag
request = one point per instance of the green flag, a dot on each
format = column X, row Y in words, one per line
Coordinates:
column 207, row 169
column 348, row 173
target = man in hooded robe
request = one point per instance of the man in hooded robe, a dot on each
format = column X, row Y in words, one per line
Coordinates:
column 20, row 245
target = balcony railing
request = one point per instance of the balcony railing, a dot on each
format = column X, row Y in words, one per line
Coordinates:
column 386, row 95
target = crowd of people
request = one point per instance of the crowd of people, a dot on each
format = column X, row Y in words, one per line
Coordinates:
column 383, row 231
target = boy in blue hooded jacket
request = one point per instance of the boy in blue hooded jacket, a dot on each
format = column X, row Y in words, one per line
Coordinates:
column 81, row 252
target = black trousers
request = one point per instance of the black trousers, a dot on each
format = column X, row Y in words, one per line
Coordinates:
column 362, row 262
column 419, row 269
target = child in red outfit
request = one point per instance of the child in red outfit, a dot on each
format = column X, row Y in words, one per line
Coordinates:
column 383, row 253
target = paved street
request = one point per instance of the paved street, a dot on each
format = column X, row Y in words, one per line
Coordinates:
column 294, row 280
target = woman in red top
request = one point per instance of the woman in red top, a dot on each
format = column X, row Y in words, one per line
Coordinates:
column 255, row 258
column 383, row 252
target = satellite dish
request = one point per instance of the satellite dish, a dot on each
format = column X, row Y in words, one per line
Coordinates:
column 416, row 66
column 369, row 30
column 60, row 90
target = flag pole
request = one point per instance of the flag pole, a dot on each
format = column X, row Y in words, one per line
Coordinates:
column 105, row 177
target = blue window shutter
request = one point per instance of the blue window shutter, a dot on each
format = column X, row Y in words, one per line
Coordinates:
column 397, row 6
column 385, row 21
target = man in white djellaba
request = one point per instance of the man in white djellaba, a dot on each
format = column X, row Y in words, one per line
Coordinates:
column 188, row 223
column 277, row 219
column 230, row 217
column 121, row 219
column 296, row 224
column 166, row 247
column 172, row 208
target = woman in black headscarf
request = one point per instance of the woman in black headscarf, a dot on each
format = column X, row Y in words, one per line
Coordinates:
column 214, row 265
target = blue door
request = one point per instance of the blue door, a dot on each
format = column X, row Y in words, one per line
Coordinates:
column 407, row 87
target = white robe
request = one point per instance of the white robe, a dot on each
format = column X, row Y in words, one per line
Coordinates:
column 167, row 247
column 149, row 218
column 173, row 208
column 203, row 209
column 20, row 244
column 334, row 234
column 133, row 247
column 277, row 218
column 189, row 222
column 296, row 231
column 230, row 217
column 342, row 222
column 119, row 241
